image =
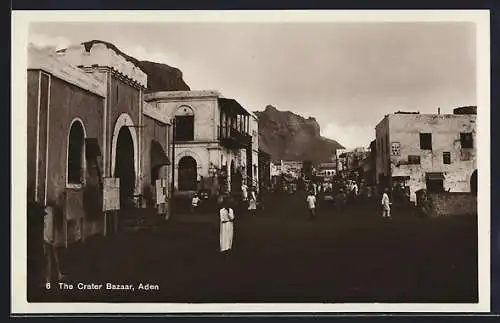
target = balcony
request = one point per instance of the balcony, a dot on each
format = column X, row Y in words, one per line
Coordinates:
column 232, row 138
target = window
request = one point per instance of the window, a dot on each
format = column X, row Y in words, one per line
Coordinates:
column 75, row 154
column 426, row 141
column 466, row 140
column 184, row 128
column 446, row 158
column 434, row 182
column 413, row 160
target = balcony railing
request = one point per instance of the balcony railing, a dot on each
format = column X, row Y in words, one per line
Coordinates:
column 233, row 138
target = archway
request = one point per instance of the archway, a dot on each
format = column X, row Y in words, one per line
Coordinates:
column 473, row 183
column 75, row 151
column 125, row 166
column 188, row 177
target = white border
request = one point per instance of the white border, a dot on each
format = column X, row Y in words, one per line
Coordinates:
column 20, row 21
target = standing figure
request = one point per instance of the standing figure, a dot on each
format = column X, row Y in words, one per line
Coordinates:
column 50, row 248
column 386, row 204
column 244, row 192
column 226, row 214
column 311, row 205
column 194, row 203
column 252, row 202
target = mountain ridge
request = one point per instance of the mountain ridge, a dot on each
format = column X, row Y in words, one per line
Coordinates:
column 289, row 136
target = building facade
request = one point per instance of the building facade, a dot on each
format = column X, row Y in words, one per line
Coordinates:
column 264, row 169
column 326, row 170
column 292, row 168
column 216, row 140
column 87, row 123
column 427, row 151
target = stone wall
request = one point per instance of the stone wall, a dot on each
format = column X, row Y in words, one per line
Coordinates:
column 67, row 103
column 449, row 203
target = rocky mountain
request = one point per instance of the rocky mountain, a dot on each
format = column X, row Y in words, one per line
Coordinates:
column 161, row 77
column 288, row 136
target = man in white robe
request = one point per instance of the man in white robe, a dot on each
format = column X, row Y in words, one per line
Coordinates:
column 244, row 192
column 386, row 205
column 226, row 227
column 252, row 202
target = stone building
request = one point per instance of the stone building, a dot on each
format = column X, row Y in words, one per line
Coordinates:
column 216, row 140
column 87, row 122
column 436, row 152
column 63, row 107
column 292, row 168
column 349, row 162
column 264, row 169
column 326, row 170
column 368, row 165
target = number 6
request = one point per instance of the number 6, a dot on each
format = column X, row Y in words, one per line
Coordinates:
column 47, row 285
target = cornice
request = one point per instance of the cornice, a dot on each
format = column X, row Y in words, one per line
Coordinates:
column 102, row 56
column 48, row 61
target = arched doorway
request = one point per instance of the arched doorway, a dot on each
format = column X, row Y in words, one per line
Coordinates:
column 188, row 177
column 76, row 140
column 124, row 166
column 473, row 183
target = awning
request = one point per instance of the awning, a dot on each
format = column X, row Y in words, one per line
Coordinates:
column 158, row 155
column 232, row 107
column 434, row 176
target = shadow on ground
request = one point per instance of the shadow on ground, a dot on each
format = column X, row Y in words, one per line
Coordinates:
column 352, row 255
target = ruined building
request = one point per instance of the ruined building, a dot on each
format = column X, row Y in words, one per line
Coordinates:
column 436, row 152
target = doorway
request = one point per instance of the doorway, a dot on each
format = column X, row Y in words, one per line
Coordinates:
column 124, row 169
column 188, row 177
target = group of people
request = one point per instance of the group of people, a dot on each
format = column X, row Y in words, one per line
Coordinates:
column 312, row 202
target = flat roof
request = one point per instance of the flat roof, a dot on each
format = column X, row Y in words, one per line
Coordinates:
column 180, row 94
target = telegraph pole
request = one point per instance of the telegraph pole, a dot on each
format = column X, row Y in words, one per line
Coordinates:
column 173, row 168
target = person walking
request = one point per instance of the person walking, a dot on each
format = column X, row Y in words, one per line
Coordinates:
column 226, row 215
column 386, row 204
column 244, row 192
column 252, row 202
column 311, row 205
column 195, row 201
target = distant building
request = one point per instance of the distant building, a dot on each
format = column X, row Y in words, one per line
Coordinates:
column 349, row 162
column 432, row 151
column 264, row 169
column 275, row 168
column 292, row 168
column 368, row 165
column 326, row 170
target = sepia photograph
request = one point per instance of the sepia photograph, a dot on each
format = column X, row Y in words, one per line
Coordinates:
column 225, row 158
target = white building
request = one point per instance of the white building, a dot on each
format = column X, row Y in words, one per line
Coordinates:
column 432, row 151
column 216, row 140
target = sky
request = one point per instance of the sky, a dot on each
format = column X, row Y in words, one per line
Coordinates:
column 346, row 75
